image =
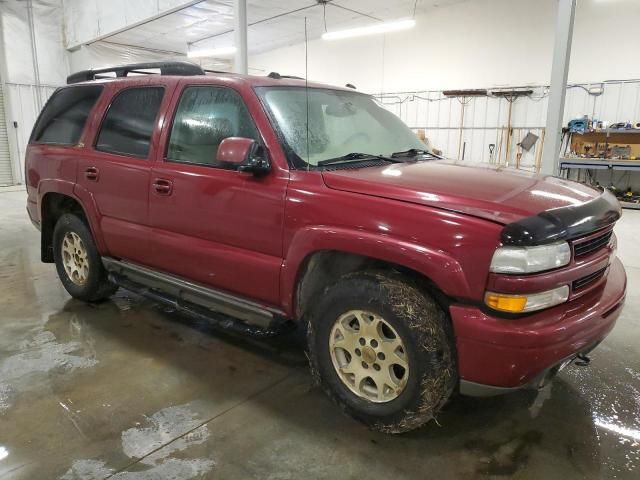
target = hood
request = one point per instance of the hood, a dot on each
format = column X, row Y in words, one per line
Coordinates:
column 500, row 195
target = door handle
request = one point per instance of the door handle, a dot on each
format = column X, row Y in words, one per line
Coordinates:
column 162, row 186
column 92, row 173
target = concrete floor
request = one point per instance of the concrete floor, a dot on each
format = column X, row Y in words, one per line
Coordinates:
column 129, row 390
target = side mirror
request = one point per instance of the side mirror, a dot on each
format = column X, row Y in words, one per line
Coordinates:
column 246, row 154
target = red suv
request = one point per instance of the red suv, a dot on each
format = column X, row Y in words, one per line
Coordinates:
column 269, row 201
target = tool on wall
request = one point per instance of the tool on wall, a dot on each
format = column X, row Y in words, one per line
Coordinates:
column 528, row 141
column 492, row 149
column 464, row 97
column 510, row 96
column 539, row 150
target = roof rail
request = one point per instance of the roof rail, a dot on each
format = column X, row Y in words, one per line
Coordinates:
column 166, row 68
column 277, row 76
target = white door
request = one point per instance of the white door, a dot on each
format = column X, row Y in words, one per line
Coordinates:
column 6, row 177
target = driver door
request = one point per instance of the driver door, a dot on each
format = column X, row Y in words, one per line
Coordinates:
column 212, row 224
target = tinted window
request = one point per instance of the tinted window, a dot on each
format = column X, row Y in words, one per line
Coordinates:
column 205, row 117
column 129, row 122
column 63, row 118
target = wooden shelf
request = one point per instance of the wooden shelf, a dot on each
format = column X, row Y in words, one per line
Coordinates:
column 610, row 132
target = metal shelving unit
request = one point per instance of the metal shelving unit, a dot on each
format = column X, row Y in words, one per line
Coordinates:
column 569, row 163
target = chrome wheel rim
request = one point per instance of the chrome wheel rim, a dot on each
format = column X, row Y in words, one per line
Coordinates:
column 75, row 258
column 369, row 356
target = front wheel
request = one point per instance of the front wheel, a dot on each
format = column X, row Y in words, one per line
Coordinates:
column 383, row 350
column 78, row 261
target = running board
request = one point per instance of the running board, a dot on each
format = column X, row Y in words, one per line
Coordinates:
column 192, row 293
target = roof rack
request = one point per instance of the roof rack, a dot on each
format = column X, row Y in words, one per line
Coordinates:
column 277, row 76
column 166, row 68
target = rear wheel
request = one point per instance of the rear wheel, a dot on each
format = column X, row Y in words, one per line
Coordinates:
column 78, row 262
column 383, row 350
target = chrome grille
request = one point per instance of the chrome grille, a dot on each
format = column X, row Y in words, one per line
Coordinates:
column 588, row 246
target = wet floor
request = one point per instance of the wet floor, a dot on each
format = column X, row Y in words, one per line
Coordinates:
column 128, row 390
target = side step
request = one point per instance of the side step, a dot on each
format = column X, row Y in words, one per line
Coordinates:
column 185, row 295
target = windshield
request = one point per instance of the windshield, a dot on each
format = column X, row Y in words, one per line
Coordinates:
column 340, row 122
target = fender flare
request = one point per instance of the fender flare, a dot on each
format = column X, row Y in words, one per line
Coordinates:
column 434, row 264
column 85, row 200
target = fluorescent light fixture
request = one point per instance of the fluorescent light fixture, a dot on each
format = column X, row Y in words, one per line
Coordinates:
column 374, row 29
column 211, row 52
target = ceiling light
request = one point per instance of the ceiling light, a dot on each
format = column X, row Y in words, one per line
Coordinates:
column 374, row 29
column 212, row 52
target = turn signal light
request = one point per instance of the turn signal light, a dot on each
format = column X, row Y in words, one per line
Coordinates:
column 506, row 303
column 526, row 303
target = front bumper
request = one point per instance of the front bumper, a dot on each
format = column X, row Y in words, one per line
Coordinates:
column 496, row 355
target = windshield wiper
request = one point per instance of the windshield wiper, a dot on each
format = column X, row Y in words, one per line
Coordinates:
column 353, row 157
column 414, row 152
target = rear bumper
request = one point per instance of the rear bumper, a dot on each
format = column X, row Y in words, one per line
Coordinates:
column 496, row 355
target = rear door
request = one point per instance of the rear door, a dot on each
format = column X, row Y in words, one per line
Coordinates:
column 212, row 224
column 115, row 172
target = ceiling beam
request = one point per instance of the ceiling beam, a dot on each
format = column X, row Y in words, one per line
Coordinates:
column 214, row 35
column 131, row 26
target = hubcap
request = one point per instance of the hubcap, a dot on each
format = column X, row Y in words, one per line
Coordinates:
column 74, row 258
column 369, row 356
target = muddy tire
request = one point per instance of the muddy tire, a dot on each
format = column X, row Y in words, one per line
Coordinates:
column 78, row 262
column 383, row 350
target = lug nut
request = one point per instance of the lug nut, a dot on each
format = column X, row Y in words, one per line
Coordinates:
column 381, row 356
column 362, row 341
column 374, row 343
column 376, row 367
column 364, row 365
column 358, row 352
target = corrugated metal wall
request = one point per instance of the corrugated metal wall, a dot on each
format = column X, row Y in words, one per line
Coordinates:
column 6, row 173
column 22, row 106
column 485, row 118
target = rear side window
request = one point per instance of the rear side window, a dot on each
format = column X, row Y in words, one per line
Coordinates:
column 63, row 118
column 128, row 124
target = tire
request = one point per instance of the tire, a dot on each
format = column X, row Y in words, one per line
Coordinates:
column 84, row 276
column 425, row 345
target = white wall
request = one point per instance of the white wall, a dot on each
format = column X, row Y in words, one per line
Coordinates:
column 478, row 43
column 23, row 101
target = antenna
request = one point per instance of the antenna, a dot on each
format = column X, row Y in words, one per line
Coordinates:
column 306, row 85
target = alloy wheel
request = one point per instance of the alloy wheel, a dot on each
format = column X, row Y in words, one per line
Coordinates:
column 75, row 258
column 369, row 356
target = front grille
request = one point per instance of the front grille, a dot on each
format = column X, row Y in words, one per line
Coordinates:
column 592, row 245
column 584, row 281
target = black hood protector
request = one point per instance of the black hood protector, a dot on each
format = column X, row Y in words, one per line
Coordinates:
column 565, row 223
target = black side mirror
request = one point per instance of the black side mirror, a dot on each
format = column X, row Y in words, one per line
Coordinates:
column 247, row 154
column 257, row 161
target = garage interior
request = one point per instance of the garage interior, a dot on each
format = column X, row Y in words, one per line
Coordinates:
column 130, row 389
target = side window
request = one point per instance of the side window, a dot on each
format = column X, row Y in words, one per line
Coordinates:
column 206, row 116
column 65, row 114
column 128, row 124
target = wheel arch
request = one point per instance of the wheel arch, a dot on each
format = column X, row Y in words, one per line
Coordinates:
column 318, row 256
column 53, row 205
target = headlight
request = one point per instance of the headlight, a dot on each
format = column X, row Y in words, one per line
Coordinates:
column 526, row 303
column 530, row 259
